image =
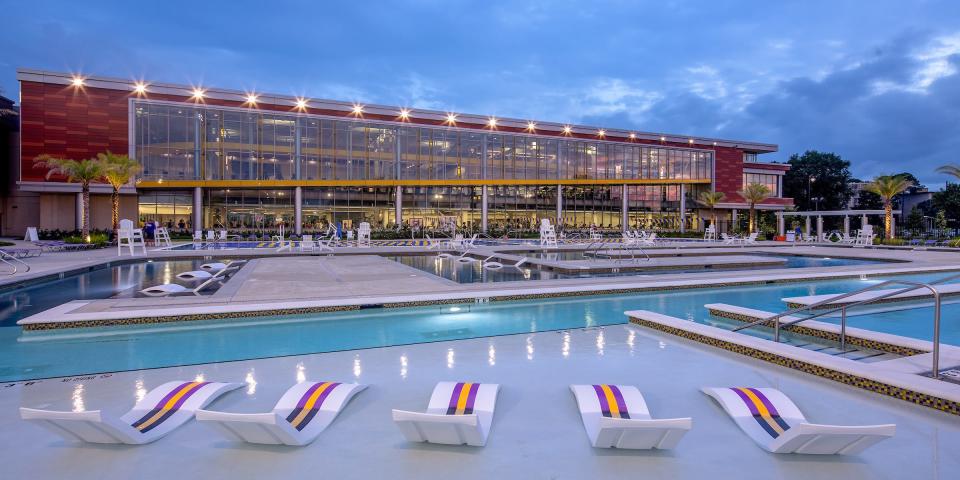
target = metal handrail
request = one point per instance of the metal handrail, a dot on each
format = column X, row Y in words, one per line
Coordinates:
column 6, row 257
column 777, row 324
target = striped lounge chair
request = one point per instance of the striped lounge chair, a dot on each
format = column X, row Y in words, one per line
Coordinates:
column 301, row 415
column 459, row 413
column 773, row 421
column 616, row 416
column 161, row 411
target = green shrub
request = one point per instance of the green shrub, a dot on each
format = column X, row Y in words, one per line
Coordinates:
column 99, row 240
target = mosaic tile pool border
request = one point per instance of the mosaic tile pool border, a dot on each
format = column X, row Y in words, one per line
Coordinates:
column 901, row 393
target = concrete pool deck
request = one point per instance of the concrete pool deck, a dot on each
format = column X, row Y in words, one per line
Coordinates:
column 536, row 433
column 305, row 283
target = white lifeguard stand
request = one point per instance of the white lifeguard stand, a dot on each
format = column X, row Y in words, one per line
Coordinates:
column 162, row 237
column 130, row 237
column 548, row 235
column 363, row 235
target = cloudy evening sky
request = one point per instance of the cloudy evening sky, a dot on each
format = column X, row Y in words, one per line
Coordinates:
column 876, row 81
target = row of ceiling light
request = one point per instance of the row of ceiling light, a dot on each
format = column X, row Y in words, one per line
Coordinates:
column 140, row 88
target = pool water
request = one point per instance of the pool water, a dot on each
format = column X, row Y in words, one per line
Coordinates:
column 41, row 355
column 473, row 272
column 116, row 281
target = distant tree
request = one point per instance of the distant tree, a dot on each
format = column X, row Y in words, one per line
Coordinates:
column 818, row 175
column 754, row 193
column 710, row 200
column 83, row 172
column 947, row 200
column 940, row 220
column 914, row 221
column 914, row 180
column 866, row 200
column 888, row 186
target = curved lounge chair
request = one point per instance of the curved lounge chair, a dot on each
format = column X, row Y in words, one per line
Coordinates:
column 458, row 414
column 773, row 421
column 194, row 275
column 167, row 289
column 213, row 267
column 493, row 265
column 616, row 416
column 302, row 413
column 161, row 411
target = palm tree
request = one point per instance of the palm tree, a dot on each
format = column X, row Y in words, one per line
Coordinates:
column 754, row 193
column 82, row 172
column 887, row 187
column 118, row 171
column 710, row 200
column 952, row 170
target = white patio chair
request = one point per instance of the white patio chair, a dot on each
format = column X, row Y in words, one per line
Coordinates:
column 458, row 414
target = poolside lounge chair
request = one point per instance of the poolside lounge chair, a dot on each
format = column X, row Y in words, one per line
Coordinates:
column 197, row 237
column 493, row 265
column 194, row 275
column 728, row 239
column 22, row 252
column 168, row 289
column 161, row 411
column 773, row 421
column 458, row 414
column 307, row 243
column 616, row 416
column 649, row 240
column 302, row 414
column 749, row 240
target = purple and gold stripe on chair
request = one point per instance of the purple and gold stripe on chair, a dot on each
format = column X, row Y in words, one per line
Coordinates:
column 310, row 404
column 762, row 410
column 612, row 403
column 167, row 406
column 463, row 398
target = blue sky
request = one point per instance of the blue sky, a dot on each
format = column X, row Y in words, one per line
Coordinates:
column 876, row 81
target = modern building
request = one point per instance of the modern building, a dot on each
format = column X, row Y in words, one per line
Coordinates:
column 249, row 160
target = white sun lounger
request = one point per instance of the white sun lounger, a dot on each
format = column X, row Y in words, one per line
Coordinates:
column 773, row 421
column 305, row 411
column 166, row 289
column 616, row 416
column 161, row 411
column 194, row 275
column 458, row 414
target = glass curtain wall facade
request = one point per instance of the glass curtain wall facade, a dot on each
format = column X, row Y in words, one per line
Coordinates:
column 209, row 143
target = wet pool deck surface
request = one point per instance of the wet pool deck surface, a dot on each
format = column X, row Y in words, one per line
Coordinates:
column 536, row 433
column 361, row 277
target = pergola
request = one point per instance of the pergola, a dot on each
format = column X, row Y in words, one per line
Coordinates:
column 846, row 214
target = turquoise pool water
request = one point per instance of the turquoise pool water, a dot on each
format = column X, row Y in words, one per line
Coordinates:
column 29, row 356
column 473, row 272
column 123, row 280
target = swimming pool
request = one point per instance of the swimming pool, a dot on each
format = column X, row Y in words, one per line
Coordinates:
column 473, row 272
column 121, row 281
column 39, row 355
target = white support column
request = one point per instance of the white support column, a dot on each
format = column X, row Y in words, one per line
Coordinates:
column 79, row 211
column 733, row 220
column 683, row 208
column 806, row 226
column 197, row 208
column 781, row 224
column 483, row 208
column 846, row 225
column 398, row 206
column 559, row 204
column 863, row 221
column 819, row 227
column 298, row 210
column 624, row 209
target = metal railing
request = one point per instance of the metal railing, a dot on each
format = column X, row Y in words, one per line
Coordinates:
column 595, row 247
column 7, row 258
column 910, row 286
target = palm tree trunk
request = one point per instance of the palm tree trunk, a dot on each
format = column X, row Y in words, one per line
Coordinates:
column 713, row 213
column 115, row 198
column 85, row 226
column 887, row 219
column 753, row 217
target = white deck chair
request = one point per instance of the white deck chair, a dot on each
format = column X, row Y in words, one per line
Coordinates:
column 301, row 415
column 616, row 416
column 217, row 266
column 197, row 237
column 458, row 414
column 750, row 240
column 773, row 421
column 649, row 240
column 307, row 244
column 161, row 411
column 194, row 275
column 211, row 236
column 493, row 265
column 167, row 289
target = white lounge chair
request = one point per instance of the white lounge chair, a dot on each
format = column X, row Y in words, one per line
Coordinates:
column 302, row 414
column 458, row 414
column 197, row 237
column 493, row 265
column 168, row 289
column 161, row 411
column 211, row 236
column 616, row 416
column 307, row 244
column 749, row 240
column 773, row 421
column 649, row 239
column 194, row 275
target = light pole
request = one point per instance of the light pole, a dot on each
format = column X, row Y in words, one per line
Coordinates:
column 810, row 181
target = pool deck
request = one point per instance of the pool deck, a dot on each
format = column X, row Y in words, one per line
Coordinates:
column 302, row 283
column 537, row 431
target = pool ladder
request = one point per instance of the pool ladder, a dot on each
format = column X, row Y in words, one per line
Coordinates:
column 909, row 286
column 595, row 247
column 12, row 261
